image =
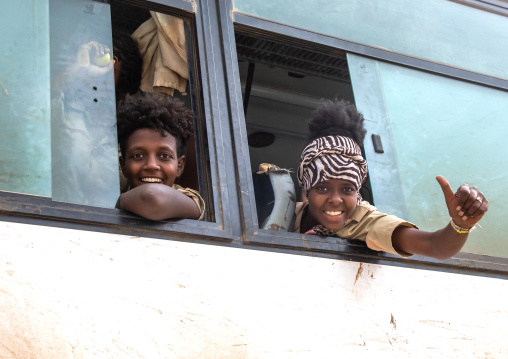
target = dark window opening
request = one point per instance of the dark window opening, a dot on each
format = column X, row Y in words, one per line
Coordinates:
column 137, row 21
column 282, row 83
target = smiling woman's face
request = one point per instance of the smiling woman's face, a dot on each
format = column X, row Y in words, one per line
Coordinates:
column 151, row 158
column 332, row 202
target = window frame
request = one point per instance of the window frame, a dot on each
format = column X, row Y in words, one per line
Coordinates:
column 207, row 106
column 340, row 248
column 493, row 6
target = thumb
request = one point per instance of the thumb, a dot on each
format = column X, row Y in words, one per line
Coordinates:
column 447, row 190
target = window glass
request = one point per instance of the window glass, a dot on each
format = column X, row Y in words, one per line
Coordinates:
column 438, row 30
column 432, row 125
column 83, row 122
column 25, row 166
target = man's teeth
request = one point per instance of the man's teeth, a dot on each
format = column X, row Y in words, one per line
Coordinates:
column 151, row 180
column 333, row 213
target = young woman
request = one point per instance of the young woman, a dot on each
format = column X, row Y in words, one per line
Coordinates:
column 331, row 173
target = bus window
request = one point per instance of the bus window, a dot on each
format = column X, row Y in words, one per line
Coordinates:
column 281, row 85
column 62, row 144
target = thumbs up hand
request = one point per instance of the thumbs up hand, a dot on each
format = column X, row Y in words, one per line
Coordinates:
column 466, row 206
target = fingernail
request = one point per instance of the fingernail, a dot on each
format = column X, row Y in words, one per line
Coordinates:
column 464, row 218
column 461, row 213
column 458, row 208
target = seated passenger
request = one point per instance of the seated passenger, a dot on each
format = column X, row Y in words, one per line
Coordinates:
column 331, row 173
column 152, row 133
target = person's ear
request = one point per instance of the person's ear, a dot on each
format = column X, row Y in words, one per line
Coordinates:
column 116, row 68
column 181, row 165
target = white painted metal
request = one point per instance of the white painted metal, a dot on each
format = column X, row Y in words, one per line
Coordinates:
column 77, row 294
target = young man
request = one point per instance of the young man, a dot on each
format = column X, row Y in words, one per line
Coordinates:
column 152, row 132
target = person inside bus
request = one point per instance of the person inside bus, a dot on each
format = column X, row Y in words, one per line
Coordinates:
column 152, row 134
column 127, row 64
column 331, row 172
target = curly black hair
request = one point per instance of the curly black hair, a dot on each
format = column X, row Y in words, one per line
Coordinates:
column 164, row 114
column 337, row 118
column 126, row 50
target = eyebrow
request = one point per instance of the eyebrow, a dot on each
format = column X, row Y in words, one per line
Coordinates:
column 165, row 148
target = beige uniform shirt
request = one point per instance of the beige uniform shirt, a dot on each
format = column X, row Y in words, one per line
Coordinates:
column 194, row 195
column 366, row 224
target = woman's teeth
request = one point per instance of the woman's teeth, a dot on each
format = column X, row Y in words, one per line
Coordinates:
column 333, row 213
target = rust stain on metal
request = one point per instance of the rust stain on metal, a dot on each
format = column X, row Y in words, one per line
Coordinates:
column 392, row 321
column 359, row 273
column 291, row 196
column 275, row 227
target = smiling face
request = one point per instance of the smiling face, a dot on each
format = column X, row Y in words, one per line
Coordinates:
column 332, row 202
column 151, row 158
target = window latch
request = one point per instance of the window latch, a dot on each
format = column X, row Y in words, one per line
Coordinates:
column 378, row 145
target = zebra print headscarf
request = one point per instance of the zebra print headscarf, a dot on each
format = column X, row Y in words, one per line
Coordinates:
column 331, row 157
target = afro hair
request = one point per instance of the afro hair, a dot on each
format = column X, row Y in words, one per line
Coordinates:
column 164, row 114
column 337, row 118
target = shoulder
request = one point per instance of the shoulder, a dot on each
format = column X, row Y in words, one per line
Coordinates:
column 299, row 212
column 374, row 227
column 369, row 217
column 195, row 196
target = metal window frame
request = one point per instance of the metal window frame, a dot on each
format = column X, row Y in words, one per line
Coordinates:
column 493, row 6
column 232, row 20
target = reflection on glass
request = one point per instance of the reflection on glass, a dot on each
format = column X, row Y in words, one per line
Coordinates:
column 84, row 140
column 437, row 126
column 437, row 30
column 25, row 164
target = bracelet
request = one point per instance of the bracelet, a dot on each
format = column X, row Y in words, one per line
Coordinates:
column 460, row 229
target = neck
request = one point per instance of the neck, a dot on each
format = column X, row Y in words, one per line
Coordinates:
column 308, row 222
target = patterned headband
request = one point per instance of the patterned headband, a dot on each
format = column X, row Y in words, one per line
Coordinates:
column 331, row 157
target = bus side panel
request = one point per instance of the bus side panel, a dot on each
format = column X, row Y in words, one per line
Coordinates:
column 77, row 294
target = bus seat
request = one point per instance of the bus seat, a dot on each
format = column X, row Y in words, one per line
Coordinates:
column 275, row 197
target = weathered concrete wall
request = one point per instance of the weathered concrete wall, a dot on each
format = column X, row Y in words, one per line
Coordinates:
column 75, row 294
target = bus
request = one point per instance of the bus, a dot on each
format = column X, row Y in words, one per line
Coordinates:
column 83, row 279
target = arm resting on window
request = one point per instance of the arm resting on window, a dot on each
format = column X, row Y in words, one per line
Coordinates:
column 157, row 201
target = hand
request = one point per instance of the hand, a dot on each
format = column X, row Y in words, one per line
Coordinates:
column 87, row 52
column 466, row 206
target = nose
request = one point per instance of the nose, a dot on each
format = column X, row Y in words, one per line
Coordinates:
column 152, row 163
column 335, row 198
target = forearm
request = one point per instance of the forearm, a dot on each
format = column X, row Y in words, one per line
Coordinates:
column 447, row 242
column 157, row 202
column 441, row 244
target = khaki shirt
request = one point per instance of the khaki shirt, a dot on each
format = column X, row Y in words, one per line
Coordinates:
column 366, row 224
column 194, row 195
